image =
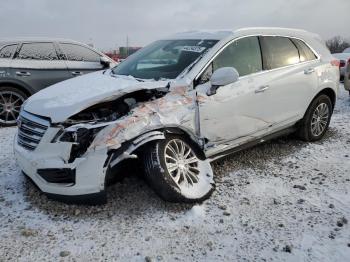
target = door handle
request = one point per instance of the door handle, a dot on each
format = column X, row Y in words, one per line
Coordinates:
column 262, row 89
column 309, row 71
column 22, row 73
column 77, row 73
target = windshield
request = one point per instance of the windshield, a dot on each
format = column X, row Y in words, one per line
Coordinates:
column 163, row 59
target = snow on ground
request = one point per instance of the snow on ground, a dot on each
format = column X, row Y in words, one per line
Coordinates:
column 285, row 200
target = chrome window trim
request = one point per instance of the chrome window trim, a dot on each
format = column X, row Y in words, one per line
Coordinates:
column 318, row 57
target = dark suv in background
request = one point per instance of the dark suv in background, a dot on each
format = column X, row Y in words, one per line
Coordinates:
column 29, row 65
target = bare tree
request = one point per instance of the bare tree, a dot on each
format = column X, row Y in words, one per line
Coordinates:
column 337, row 44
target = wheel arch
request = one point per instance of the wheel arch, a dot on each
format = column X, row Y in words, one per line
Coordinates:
column 328, row 92
column 304, row 124
column 129, row 148
column 190, row 136
column 325, row 91
column 19, row 85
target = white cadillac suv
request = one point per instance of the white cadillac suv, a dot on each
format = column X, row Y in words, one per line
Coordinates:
column 176, row 105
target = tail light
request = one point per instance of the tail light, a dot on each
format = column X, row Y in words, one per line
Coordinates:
column 342, row 63
column 349, row 61
column 335, row 63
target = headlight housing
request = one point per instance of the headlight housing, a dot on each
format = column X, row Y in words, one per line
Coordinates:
column 80, row 137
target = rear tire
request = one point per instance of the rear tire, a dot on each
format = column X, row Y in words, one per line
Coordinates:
column 11, row 100
column 316, row 120
column 174, row 171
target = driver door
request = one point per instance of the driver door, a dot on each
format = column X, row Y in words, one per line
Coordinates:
column 235, row 111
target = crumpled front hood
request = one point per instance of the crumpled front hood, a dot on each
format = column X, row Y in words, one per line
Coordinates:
column 67, row 98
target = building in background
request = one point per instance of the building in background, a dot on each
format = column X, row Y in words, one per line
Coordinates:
column 124, row 52
column 121, row 53
column 114, row 54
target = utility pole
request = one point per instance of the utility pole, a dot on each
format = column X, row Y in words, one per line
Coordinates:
column 127, row 45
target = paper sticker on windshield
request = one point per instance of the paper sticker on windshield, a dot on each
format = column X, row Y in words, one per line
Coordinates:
column 196, row 49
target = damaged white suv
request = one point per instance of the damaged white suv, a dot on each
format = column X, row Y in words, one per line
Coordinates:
column 177, row 105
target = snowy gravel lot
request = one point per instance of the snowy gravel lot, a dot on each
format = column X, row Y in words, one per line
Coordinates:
column 281, row 201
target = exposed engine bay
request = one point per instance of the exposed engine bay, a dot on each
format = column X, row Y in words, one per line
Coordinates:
column 115, row 109
column 82, row 128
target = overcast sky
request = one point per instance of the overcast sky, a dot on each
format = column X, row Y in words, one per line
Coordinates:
column 106, row 23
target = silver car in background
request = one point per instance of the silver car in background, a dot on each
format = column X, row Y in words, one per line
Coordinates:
column 347, row 50
column 29, row 65
column 347, row 78
column 344, row 60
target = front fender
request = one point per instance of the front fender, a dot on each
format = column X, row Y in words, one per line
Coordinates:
column 176, row 109
column 129, row 147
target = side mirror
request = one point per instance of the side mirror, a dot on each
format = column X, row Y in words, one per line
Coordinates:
column 105, row 61
column 222, row 77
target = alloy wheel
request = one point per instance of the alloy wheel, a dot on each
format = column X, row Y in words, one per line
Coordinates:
column 319, row 119
column 10, row 105
column 181, row 163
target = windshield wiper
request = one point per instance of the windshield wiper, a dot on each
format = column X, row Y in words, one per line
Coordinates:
column 128, row 76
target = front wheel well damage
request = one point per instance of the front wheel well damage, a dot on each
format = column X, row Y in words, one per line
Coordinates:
column 194, row 140
column 136, row 147
column 137, row 144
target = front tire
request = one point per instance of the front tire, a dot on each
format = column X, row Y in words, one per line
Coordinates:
column 174, row 171
column 11, row 100
column 315, row 123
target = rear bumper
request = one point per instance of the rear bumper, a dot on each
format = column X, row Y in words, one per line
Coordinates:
column 347, row 81
column 342, row 71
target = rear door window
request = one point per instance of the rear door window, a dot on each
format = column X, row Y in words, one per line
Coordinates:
column 243, row 54
column 7, row 51
column 305, row 53
column 38, row 51
column 75, row 52
column 278, row 52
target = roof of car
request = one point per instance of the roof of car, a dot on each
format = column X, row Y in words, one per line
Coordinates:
column 346, row 50
column 341, row 55
column 35, row 39
column 221, row 34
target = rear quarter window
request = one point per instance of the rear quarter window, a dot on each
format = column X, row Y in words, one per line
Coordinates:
column 305, row 53
column 75, row 52
column 7, row 51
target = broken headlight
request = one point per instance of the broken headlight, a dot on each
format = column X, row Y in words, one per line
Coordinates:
column 81, row 135
column 81, row 138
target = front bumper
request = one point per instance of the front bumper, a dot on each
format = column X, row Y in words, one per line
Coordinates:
column 89, row 171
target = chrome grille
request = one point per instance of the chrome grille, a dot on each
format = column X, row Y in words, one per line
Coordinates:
column 31, row 129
